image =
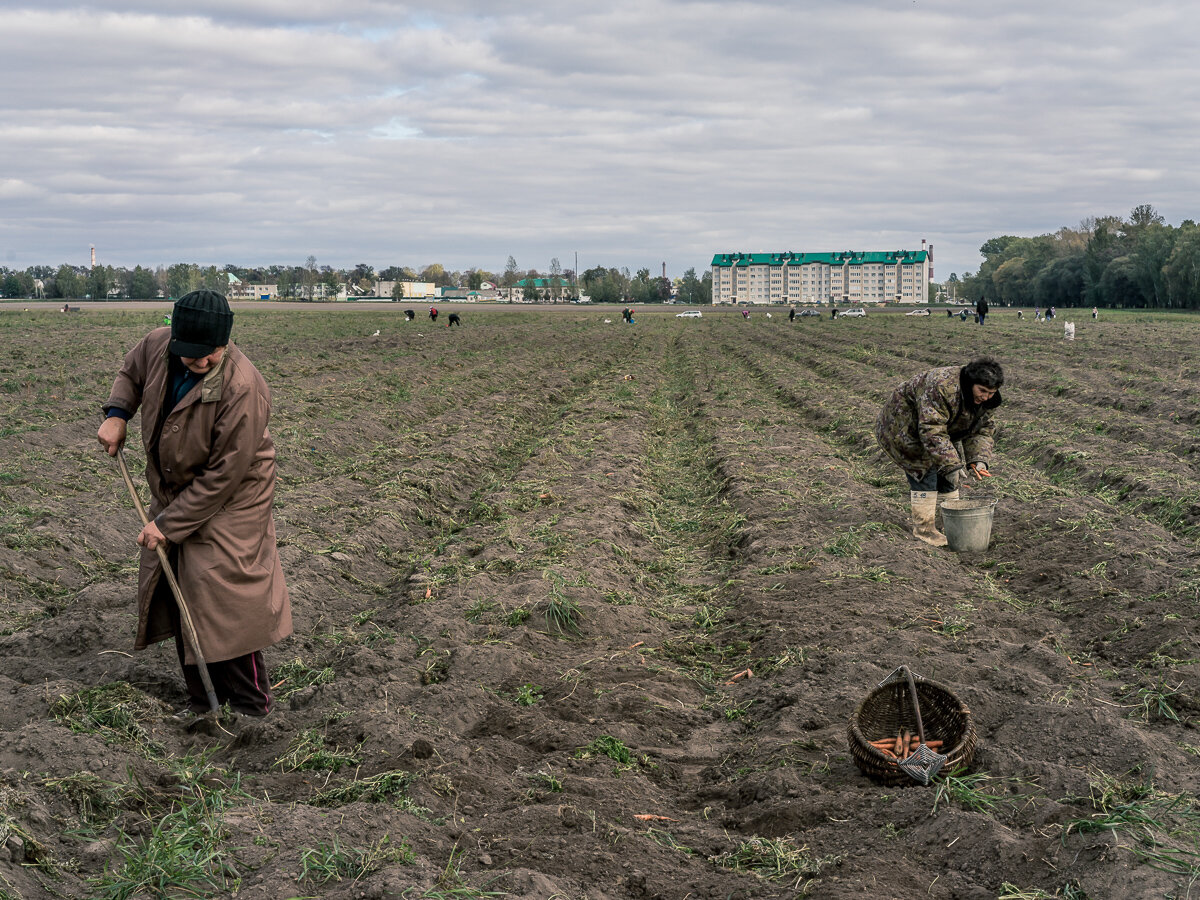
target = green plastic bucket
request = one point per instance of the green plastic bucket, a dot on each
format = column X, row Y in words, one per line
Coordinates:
column 967, row 524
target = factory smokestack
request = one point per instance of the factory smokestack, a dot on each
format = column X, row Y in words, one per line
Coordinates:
column 93, row 257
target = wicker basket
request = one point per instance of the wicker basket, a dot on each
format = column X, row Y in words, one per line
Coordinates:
column 888, row 710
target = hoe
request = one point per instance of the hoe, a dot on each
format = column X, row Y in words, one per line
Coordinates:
column 185, row 617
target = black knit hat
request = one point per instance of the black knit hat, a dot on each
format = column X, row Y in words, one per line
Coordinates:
column 200, row 324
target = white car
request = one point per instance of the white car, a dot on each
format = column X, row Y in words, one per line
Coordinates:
column 918, row 312
column 689, row 314
column 856, row 313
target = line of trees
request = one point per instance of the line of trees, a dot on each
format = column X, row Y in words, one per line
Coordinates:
column 104, row 282
column 1139, row 262
column 139, row 283
column 617, row 286
column 310, row 281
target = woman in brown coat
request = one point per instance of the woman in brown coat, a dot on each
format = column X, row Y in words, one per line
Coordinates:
column 210, row 463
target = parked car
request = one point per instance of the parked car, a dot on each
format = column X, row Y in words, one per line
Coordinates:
column 917, row 312
column 809, row 312
column 857, row 313
column 688, row 314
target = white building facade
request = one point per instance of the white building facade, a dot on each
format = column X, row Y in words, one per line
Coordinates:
column 847, row 278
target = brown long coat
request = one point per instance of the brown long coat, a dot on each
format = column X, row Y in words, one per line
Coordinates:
column 211, row 469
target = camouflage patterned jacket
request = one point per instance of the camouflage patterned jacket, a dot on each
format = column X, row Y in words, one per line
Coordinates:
column 926, row 416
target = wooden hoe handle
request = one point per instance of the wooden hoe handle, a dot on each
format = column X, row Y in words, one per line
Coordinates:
column 185, row 617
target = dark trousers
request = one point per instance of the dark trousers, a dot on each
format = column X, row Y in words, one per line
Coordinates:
column 242, row 682
column 932, row 480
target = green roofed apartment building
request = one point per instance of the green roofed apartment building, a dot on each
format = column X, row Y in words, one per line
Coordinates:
column 847, row 278
column 531, row 290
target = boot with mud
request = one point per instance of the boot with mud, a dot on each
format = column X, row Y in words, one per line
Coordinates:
column 924, row 513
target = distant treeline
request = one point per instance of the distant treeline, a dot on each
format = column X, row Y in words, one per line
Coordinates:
column 310, row 280
column 618, row 286
column 141, row 283
column 1139, row 262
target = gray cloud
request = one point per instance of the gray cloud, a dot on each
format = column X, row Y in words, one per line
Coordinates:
column 258, row 132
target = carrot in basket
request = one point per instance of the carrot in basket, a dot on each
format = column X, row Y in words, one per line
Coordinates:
column 898, row 746
column 932, row 745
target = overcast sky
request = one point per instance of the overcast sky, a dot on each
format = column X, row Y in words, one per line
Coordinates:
column 633, row 132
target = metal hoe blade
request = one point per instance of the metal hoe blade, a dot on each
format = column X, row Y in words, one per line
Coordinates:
column 923, row 764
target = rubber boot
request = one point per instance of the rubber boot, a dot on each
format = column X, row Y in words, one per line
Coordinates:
column 924, row 513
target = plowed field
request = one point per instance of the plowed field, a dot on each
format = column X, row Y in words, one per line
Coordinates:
column 528, row 559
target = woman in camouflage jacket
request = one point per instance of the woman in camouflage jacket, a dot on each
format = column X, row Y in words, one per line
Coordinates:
column 921, row 423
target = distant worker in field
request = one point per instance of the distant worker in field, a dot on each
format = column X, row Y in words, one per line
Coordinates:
column 433, row 314
column 923, row 420
column 792, row 314
column 409, row 315
column 453, row 319
column 833, row 312
column 981, row 311
column 1095, row 313
column 210, row 462
column 1020, row 315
